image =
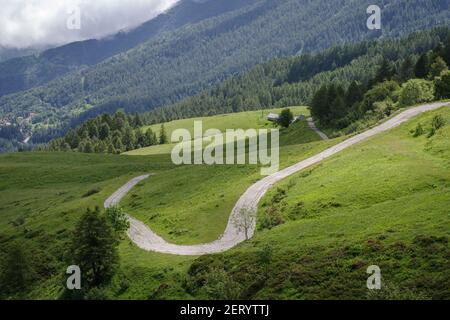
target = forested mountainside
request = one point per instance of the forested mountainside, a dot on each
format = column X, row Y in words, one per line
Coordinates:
column 10, row 53
column 344, row 95
column 190, row 59
column 30, row 71
column 293, row 81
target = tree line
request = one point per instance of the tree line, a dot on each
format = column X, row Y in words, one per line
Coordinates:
column 108, row 134
column 294, row 80
column 399, row 83
column 342, row 84
column 189, row 60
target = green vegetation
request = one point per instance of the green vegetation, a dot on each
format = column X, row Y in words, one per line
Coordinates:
column 286, row 118
column 93, row 248
column 107, row 134
column 187, row 60
column 383, row 202
column 416, row 91
column 295, row 80
column 349, row 109
column 443, row 85
column 300, row 133
column 45, row 194
column 34, row 70
column 118, row 219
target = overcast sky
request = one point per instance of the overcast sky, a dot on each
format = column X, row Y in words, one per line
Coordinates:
column 25, row 23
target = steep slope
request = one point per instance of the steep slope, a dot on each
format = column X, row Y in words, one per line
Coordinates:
column 11, row 53
column 183, row 62
column 294, row 80
column 30, row 71
column 148, row 240
column 384, row 202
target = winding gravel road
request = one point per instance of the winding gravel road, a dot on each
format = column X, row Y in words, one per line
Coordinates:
column 146, row 239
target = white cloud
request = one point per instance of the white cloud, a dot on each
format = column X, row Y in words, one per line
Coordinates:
column 25, row 23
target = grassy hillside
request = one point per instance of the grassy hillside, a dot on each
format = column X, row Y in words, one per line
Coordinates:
column 383, row 202
column 44, row 194
column 240, row 120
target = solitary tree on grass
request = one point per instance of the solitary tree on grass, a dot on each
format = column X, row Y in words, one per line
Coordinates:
column 286, row 118
column 244, row 221
column 94, row 249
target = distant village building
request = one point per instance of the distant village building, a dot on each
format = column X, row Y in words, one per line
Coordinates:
column 273, row 117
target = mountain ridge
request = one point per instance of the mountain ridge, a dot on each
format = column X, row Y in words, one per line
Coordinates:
column 38, row 69
column 188, row 60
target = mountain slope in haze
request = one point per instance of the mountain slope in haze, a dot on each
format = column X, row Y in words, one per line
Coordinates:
column 180, row 63
column 11, row 53
column 26, row 72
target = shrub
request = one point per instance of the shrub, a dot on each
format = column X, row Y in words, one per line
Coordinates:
column 279, row 196
column 97, row 294
column 419, row 130
column 118, row 219
column 437, row 123
column 92, row 192
column 271, row 219
column 379, row 92
column 286, row 118
column 416, row 91
column 442, row 85
column 15, row 271
column 221, row 286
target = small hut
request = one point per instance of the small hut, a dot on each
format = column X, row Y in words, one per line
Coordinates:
column 273, row 117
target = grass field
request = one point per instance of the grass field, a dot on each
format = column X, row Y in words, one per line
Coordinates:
column 241, row 120
column 383, row 202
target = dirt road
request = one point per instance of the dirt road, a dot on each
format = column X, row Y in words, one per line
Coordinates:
column 146, row 239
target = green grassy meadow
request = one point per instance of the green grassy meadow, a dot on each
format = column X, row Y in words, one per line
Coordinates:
column 240, row 120
column 384, row 202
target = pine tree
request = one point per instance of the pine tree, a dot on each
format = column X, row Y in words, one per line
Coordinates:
column 422, row 67
column 137, row 121
column 150, row 138
column 437, row 67
column 354, row 94
column 129, row 139
column 162, row 135
column 101, row 147
column 94, row 249
column 338, row 107
column 104, row 131
column 88, row 146
column 442, row 85
column 15, row 272
column 118, row 145
column 93, row 130
column 119, row 121
column 111, row 148
column 406, row 71
column 140, row 138
column 385, row 71
column 286, row 118
column 319, row 104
